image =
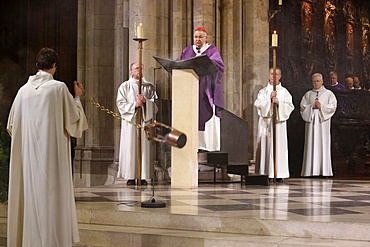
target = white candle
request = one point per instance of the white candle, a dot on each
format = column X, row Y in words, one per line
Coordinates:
column 280, row 2
column 140, row 31
column 274, row 40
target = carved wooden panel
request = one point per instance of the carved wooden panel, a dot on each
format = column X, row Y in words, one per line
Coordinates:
column 321, row 36
column 351, row 134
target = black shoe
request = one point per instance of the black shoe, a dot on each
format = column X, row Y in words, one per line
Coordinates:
column 144, row 182
column 279, row 180
column 131, row 182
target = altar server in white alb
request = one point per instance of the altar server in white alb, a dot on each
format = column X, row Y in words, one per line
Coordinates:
column 264, row 103
column 317, row 107
column 43, row 117
column 128, row 101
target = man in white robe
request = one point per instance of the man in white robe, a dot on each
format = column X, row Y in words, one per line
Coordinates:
column 268, row 98
column 317, row 107
column 128, row 101
column 43, row 117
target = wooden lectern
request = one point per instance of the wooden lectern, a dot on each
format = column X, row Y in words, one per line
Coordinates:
column 185, row 107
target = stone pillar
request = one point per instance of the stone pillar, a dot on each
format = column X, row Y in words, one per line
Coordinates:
column 95, row 60
column 242, row 38
column 121, row 74
column 155, row 30
column 204, row 15
column 181, row 29
column 231, row 52
column 255, row 61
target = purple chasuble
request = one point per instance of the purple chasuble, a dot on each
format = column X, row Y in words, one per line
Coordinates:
column 210, row 86
column 339, row 86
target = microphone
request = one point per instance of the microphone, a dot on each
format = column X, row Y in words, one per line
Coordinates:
column 157, row 68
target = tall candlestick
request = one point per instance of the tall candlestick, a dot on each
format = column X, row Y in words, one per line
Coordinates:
column 280, row 2
column 274, row 40
column 140, row 31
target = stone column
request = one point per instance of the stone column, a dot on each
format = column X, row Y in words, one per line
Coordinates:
column 255, row 63
column 231, row 35
column 205, row 16
column 155, row 30
column 181, row 29
column 96, row 31
column 121, row 74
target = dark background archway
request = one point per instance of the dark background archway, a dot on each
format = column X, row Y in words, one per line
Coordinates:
column 25, row 27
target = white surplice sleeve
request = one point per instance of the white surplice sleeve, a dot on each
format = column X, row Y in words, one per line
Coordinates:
column 328, row 106
column 75, row 121
column 9, row 126
column 126, row 101
column 263, row 103
column 306, row 109
column 285, row 106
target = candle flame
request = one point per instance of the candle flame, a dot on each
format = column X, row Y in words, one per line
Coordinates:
column 274, row 31
column 140, row 24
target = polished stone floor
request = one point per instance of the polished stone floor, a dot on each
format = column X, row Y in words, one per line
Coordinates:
column 298, row 212
column 308, row 199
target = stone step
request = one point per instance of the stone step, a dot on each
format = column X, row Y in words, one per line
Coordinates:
column 151, row 227
column 104, row 235
column 93, row 235
column 155, row 219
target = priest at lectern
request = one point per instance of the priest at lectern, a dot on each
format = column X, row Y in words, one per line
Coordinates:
column 211, row 100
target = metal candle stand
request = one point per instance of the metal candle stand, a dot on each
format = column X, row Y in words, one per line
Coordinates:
column 152, row 203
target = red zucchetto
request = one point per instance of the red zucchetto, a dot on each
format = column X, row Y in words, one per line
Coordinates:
column 201, row 29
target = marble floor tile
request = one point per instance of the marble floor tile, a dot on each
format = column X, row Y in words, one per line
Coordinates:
column 314, row 199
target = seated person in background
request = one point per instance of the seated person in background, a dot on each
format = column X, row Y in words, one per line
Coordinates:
column 348, row 82
column 333, row 82
column 367, row 85
column 357, row 83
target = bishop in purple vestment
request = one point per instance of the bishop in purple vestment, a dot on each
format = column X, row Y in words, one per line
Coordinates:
column 211, row 100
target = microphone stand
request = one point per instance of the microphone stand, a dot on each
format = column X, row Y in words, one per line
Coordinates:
column 152, row 203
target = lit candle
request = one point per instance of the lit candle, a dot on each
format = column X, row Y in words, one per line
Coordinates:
column 140, row 31
column 280, row 2
column 274, row 40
